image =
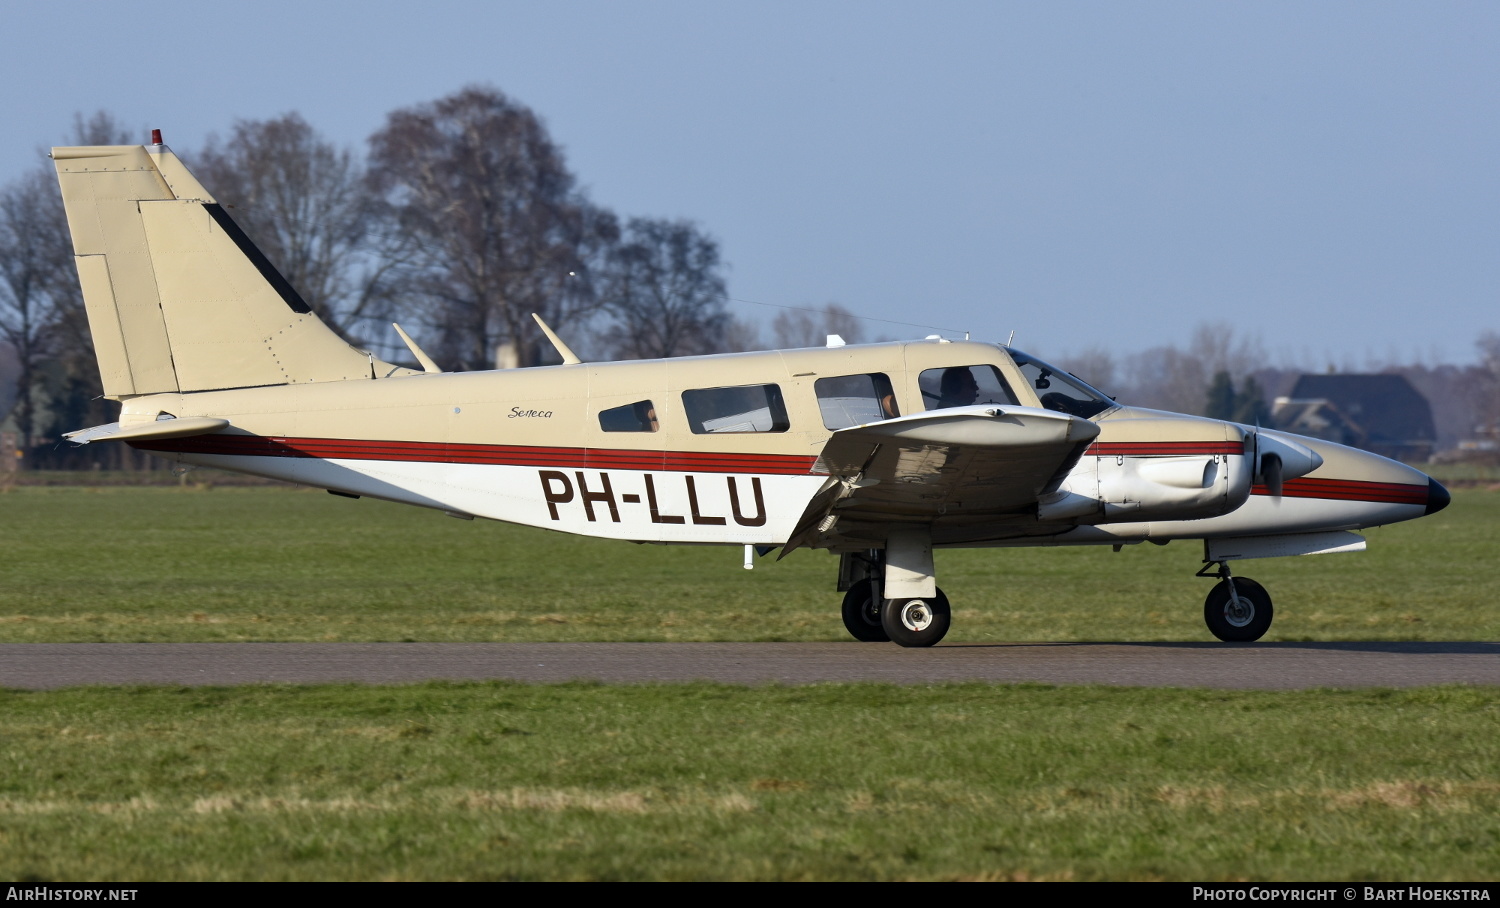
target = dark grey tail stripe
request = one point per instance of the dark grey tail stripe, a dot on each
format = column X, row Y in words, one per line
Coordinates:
column 288, row 293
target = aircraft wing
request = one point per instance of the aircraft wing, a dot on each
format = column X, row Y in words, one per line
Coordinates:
column 970, row 461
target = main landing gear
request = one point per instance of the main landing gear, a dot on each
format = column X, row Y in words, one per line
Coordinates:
column 862, row 607
column 871, row 618
column 916, row 622
column 1237, row 610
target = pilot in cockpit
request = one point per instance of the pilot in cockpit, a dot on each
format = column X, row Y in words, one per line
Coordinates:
column 958, row 388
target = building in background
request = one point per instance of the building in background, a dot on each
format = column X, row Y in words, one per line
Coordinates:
column 1379, row 413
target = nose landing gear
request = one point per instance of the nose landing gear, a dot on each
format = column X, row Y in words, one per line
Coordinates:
column 1237, row 610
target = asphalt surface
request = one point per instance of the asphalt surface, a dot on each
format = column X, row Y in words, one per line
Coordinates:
column 1268, row 666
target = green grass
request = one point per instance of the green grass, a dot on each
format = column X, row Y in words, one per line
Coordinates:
column 274, row 564
column 509, row 781
column 1463, row 472
column 196, row 564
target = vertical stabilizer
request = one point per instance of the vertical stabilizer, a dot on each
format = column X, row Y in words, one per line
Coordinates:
column 178, row 298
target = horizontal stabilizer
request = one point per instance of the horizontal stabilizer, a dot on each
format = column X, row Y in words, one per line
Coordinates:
column 162, row 428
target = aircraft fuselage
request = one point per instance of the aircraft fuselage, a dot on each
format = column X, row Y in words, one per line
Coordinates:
column 527, row 446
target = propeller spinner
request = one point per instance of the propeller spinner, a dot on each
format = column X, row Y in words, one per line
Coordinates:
column 1278, row 458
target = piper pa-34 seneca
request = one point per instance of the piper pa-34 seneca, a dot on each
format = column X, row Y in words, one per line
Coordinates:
column 879, row 453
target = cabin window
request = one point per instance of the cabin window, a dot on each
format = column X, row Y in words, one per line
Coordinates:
column 637, row 417
column 749, row 408
column 1062, row 391
column 962, row 386
column 853, row 400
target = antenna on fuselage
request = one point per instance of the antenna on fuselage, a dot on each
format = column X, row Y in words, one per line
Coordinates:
column 1012, row 338
column 426, row 361
column 568, row 356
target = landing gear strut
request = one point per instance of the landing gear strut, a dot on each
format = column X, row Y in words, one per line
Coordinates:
column 1237, row 610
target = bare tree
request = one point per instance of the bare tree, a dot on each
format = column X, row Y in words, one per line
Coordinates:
column 741, row 336
column 811, row 327
column 1095, row 365
column 664, row 292
column 501, row 231
column 32, row 270
column 1175, row 379
column 1222, row 348
column 305, row 203
column 102, row 128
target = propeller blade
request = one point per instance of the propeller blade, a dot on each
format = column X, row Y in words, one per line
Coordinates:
column 1271, row 473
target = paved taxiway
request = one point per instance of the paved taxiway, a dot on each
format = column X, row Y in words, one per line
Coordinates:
column 1263, row 665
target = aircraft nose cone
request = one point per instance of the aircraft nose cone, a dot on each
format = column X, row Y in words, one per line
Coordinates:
column 1437, row 496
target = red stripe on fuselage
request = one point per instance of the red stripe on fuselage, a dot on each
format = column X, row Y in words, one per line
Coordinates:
column 1158, row 448
column 1351, row 490
column 499, row 455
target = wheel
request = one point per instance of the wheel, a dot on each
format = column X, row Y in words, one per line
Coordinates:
column 1244, row 623
column 916, row 622
column 862, row 613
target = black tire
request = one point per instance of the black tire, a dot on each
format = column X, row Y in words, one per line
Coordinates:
column 1246, row 627
column 862, row 613
column 916, row 622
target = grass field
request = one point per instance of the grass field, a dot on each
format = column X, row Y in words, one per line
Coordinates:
column 701, row 781
column 509, row 781
column 274, row 563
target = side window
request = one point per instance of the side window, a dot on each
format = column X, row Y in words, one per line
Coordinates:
column 750, row 408
column 637, row 417
column 962, row 386
column 853, row 400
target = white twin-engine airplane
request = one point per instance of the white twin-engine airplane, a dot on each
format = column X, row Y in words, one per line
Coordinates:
column 879, row 453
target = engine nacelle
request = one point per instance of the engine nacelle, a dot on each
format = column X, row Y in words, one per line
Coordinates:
column 1111, row 484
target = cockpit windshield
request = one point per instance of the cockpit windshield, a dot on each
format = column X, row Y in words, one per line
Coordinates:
column 1061, row 391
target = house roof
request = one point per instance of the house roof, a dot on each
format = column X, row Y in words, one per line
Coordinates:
column 1385, row 406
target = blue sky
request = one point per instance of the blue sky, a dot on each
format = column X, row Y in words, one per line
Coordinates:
column 1323, row 176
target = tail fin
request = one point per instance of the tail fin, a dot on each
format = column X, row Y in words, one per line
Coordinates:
column 178, row 298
